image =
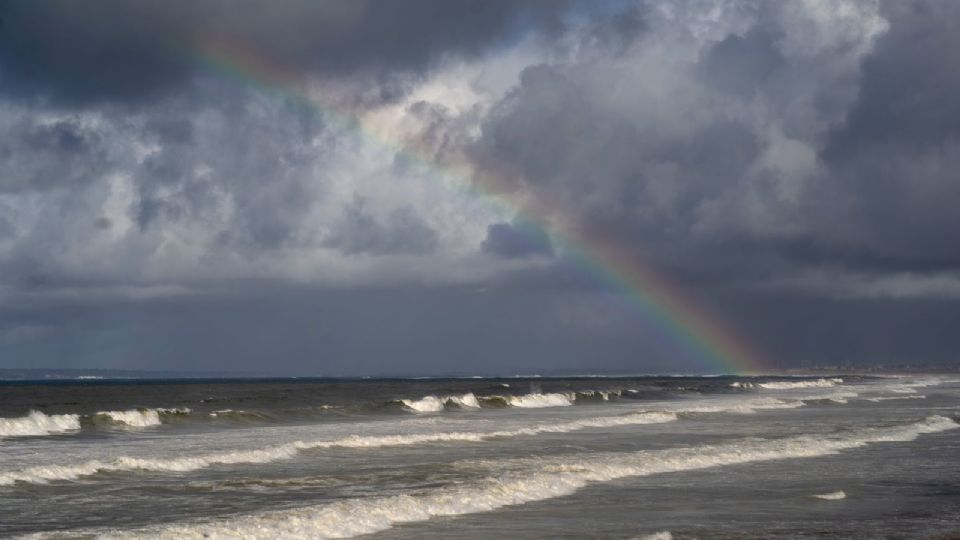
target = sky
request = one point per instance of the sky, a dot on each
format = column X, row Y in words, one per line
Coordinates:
column 446, row 186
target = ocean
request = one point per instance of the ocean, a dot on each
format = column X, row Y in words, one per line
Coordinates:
column 520, row 457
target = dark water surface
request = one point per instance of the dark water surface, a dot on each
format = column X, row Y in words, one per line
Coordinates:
column 658, row 457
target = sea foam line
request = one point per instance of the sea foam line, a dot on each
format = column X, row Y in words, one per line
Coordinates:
column 789, row 385
column 553, row 478
column 44, row 474
column 47, row 473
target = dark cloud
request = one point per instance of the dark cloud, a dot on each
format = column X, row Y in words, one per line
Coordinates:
column 120, row 49
column 511, row 241
column 40, row 154
column 894, row 160
column 548, row 135
column 907, row 87
column 740, row 64
column 711, row 180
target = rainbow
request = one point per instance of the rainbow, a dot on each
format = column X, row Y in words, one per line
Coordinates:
column 598, row 256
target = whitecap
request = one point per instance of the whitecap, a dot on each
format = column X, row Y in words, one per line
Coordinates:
column 135, row 418
column 789, row 385
column 536, row 401
column 833, row 496
column 467, row 401
column 662, row 535
column 895, row 398
column 426, row 404
column 37, row 424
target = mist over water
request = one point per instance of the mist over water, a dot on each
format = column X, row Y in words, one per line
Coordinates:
column 659, row 457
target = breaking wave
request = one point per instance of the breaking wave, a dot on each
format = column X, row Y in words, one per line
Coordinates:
column 599, row 395
column 232, row 414
column 427, row 404
column 470, row 401
column 137, row 418
column 48, row 473
column 833, row 496
column 789, row 385
column 662, row 535
column 895, row 398
column 537, row 401
column 466, row 401
column 36, row 424
column 437, row 404
column 549, row 479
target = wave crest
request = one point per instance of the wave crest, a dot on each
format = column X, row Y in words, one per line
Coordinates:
column 537, row 401
column 789, row 385
column 833, row 496
column 37, row 424
column 137, row 418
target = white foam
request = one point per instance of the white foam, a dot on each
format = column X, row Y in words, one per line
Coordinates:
column 48, row 473
column 604, row 395
column 903, row 386
column 789, row 385
column 37, row 424
column 536, row 401
column 662, row 535
column 739, row 406
column 836, row 397
column 742, row 384
column 137, row 418
column 833, row 496
column 437, row 404
column 550, row 478
column 426, row 404
column 467, row 400
column 176, row 411
column 895, row 398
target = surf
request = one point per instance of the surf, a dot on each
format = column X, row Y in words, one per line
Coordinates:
column 547, row 479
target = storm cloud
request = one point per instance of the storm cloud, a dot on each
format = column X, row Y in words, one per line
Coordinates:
column 394, row 193
column 116, row 50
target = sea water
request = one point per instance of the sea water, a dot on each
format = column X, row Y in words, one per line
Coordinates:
column 590, row 457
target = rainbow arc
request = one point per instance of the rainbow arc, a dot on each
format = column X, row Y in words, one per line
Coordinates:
column 601, row 257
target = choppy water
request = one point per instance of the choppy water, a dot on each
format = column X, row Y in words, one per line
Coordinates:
column 766, row 457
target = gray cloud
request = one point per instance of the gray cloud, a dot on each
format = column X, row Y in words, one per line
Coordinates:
column 404, row 232
column 511, row 241
column 783, row 141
